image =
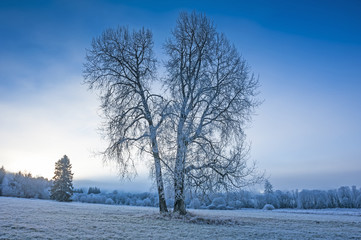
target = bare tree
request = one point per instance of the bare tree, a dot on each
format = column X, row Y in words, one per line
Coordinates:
column 213, row 95
column 121, row 65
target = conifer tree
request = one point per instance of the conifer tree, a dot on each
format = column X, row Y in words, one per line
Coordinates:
column 268, row 188
column 2, row 175
column 62, row 188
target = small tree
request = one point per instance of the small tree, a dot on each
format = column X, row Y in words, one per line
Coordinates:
column 94, row 190
column 268, row 188
column 62, row 188
column 274, row 198
column 2, row 175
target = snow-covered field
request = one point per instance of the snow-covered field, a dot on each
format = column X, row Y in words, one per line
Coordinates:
column 42, row 219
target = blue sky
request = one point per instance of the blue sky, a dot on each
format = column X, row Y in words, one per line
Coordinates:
column 307, row 54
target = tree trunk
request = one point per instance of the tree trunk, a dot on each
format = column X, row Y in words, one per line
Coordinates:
column 158, row 171
column 179, row 205
column 155, row 150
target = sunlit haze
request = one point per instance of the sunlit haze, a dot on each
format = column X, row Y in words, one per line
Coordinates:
column 307, row 54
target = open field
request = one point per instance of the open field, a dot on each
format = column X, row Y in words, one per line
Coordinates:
column 42, row 219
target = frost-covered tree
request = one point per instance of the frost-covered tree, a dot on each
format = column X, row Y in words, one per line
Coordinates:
column 25, row 185
column 195, row 130
column 345, row 197
column 268, row 188
column 62, row 188
column 213, row 95
column 2, row 175
column 269, row 195
column 355, row 195
column 94, row 190
column 121, row 65
column 333, row 199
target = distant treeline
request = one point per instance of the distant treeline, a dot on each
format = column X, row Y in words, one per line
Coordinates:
column 23, row 185
column 26, row 186
column 344, row 197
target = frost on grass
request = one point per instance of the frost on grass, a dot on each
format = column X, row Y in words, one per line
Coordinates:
column 44, row 219
column 198, row 219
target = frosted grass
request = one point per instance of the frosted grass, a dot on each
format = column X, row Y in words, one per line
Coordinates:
column 43, row 219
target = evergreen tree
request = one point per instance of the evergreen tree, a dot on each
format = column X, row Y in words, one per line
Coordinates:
column 2, row 175
column 94, row 190
column 62, row 188
column 268, row 188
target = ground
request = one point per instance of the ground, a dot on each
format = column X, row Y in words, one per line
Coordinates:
column 42, row 219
